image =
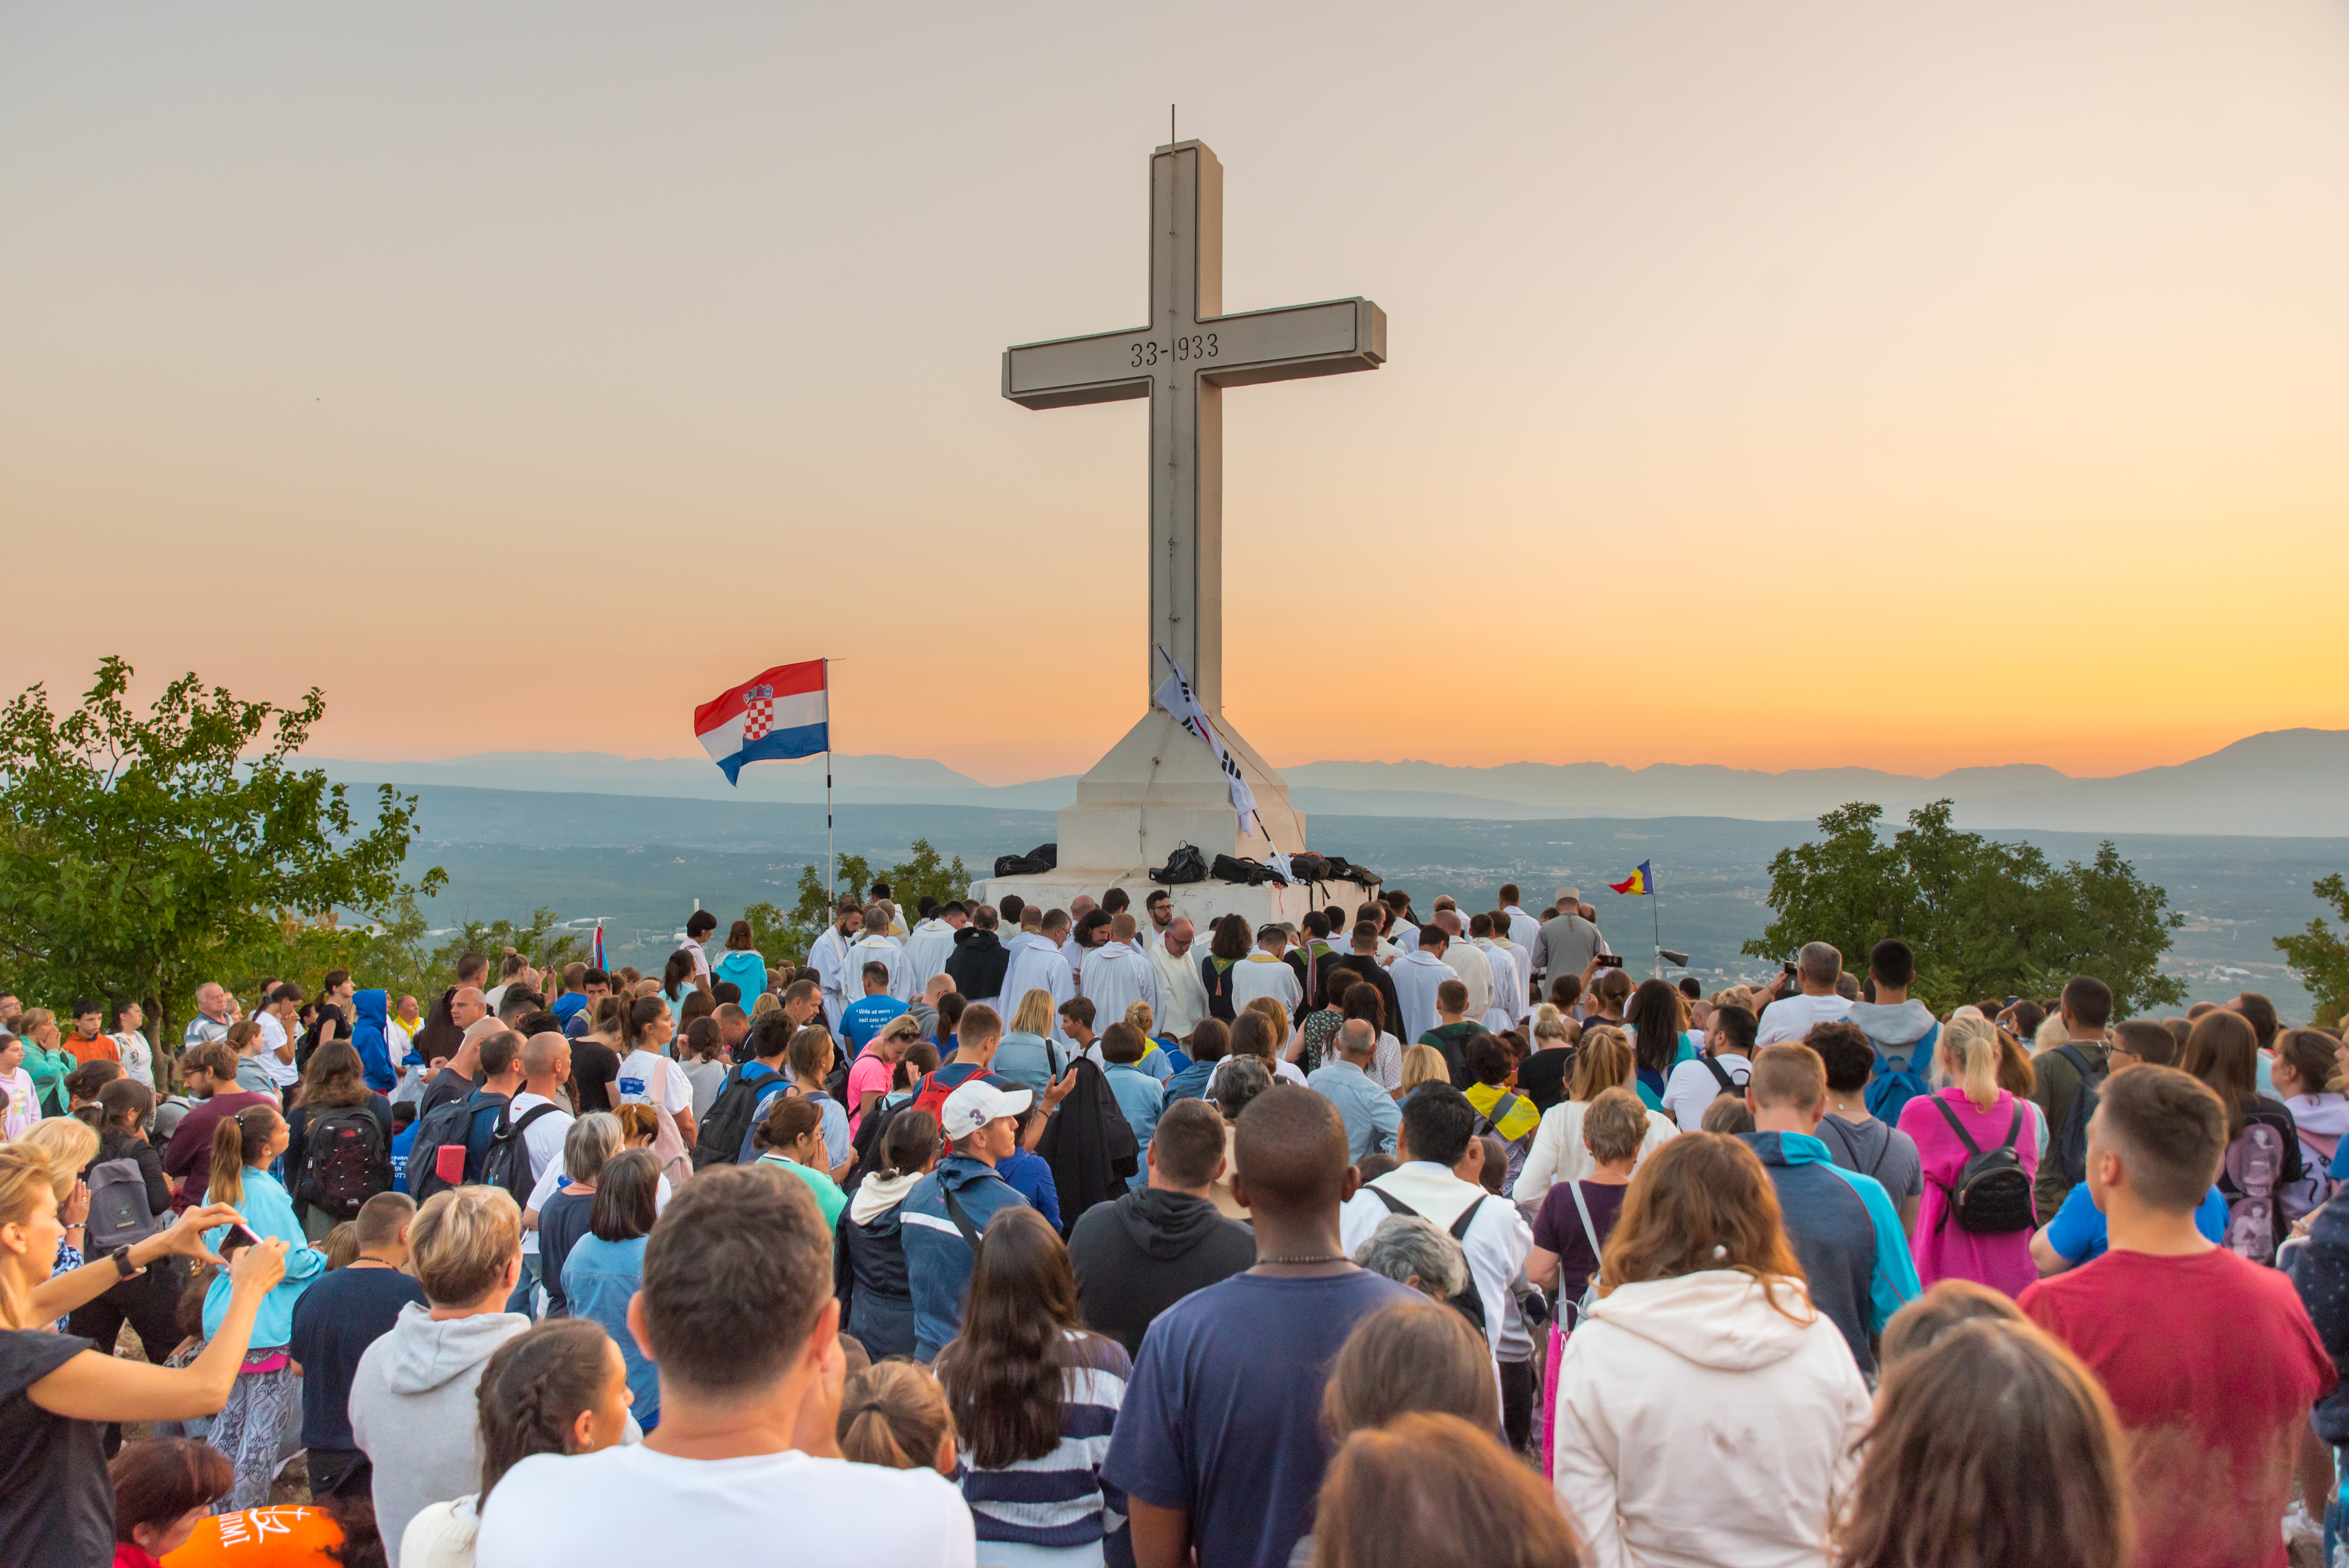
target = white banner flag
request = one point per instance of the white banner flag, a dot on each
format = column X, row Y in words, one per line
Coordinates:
column 1175, row 697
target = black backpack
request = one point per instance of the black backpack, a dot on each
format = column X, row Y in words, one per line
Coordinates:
column 1721, row 1074
column 507, row 1164
column 2071, row 1151
column 1034, row 863
column 1470, row 1303
column 1992, row 1195
column 1186, row 865
column 1242, row 870
column 345, row 1161
column 445, row 1123
column 720, row 1140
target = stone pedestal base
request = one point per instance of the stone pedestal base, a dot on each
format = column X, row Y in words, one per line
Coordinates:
column 1159, row 788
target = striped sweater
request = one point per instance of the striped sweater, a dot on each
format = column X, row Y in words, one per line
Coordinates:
column 1060, row 1499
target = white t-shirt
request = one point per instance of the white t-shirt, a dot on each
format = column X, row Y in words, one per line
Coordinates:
column 137, row 1057
column 1693, row 1089
column 693, row 951
column 1790, row 1018
column 273, row 1040
column 544, row 1138
column 641, row 1072
column 625, row 1505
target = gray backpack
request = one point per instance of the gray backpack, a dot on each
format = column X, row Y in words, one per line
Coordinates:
column 118, row 1214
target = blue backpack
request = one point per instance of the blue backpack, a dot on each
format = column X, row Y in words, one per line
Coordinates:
column 1899, row 1078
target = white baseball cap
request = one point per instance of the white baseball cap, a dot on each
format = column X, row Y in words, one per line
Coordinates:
column 978, row 1102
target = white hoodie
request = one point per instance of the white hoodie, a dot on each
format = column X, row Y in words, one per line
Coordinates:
column 1699, row 1427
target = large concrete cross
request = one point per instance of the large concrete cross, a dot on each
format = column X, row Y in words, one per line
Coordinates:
column 1182, row 360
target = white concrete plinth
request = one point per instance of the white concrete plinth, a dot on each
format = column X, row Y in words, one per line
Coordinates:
column 1159, row 788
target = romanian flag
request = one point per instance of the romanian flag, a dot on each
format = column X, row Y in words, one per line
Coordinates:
column 1641, row 880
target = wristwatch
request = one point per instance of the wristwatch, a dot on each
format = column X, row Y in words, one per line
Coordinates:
column 123, row 1265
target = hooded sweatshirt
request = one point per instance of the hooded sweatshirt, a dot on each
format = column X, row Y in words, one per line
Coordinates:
column 1847, row 1232
column 1140, row 1255
column 1699, row 1426
column 370, row 1008
column 977, row 963
column 414, row 1414
column 1892, row 1024
column 870, row 1266
column 747, row 969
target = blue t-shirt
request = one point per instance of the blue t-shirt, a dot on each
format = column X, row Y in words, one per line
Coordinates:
column 2077, row 1231
column 401, row 1142
column 1222, row 1413
column 866, row 1016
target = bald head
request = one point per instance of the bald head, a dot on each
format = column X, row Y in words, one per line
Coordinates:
column 546, row 1057
column 1449, row 919
column 1357, row 1041
column 1082, row 905
column 468, row 1006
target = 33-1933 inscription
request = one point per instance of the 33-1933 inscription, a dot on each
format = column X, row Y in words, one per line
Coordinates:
column 1200, row 345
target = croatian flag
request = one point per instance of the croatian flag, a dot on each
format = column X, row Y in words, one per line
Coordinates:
column 782, row 714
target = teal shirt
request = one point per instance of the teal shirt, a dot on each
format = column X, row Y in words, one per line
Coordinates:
column 267, row 1211
column 828, row 1195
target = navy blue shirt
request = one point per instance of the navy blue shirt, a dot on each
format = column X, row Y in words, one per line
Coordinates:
column 560, row 1225
column 346, row 1310
column 1222, row 1413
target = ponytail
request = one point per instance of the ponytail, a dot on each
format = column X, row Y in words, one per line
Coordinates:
column 892, row 1414
column 1970, row 1055
column 228, row 1163
column 238, row 1142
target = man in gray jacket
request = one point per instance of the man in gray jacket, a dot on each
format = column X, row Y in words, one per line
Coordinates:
column 412, row 1399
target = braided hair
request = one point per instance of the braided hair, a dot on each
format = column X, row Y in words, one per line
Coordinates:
column 534, row 1388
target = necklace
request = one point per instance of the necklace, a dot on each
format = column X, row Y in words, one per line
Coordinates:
column 1318, row 1258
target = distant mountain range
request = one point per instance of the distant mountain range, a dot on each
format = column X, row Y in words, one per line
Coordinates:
column 2289, row 782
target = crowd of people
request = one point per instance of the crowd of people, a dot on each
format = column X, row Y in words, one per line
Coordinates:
column 1024, row 1237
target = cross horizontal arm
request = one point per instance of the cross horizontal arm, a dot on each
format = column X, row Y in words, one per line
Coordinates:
column 1105, row 367
column 1325, row 339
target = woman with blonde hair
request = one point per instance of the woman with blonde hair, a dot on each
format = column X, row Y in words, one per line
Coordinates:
column 1973, row 1115
column 1027, row 1055
column 1424, row 1064
column 68, row 1144
column 60, row 1391
column 1558, row 1153
column 1704, row 1356
column 1993, row 1445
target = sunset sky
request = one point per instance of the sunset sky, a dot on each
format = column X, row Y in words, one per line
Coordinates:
column 1916, row 385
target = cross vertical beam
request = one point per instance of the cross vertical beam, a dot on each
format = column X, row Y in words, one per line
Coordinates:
column 1182, row 360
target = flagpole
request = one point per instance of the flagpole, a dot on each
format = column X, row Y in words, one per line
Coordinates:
column 1655, row 909
column 831, row 875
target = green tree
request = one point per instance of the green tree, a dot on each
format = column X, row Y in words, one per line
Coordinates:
column 785, row 936
column 538, row 941
column 1985, row 918
column 142, row 855
column 2320, row 955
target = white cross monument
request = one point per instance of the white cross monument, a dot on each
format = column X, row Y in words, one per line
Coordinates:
column 1160, row 786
